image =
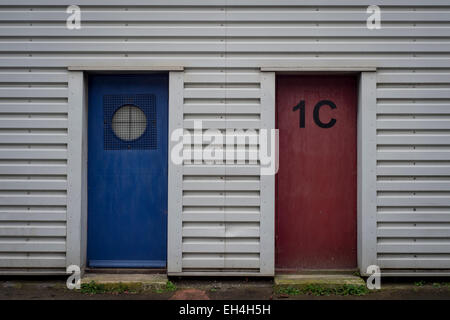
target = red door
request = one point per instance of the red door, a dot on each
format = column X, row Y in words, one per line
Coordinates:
column 316, row 180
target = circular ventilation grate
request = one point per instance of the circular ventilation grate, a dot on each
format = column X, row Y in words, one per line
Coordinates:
column 129, row 122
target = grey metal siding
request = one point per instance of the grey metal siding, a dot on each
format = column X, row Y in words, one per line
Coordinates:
column 222, row 44
column 33, row 167
column 413, row 158
column 221, row 203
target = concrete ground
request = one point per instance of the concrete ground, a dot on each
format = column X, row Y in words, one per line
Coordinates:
column 210, row 289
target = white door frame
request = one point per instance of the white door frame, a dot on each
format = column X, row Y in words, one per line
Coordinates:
column 366, row 154
column 76, row 236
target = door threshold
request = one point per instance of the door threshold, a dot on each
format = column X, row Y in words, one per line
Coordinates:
column 280, row 271
column 136, row 281
column 317, row 280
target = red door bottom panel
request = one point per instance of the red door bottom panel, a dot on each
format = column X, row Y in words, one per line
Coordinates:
column 316, row 180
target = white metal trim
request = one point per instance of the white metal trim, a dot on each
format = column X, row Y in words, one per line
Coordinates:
column 319, row 69
column 215, row 3
column 175, row 176
column 98, row 67
column 412, row 273
column 76, row 171
column 77, row 165
column 267, row 191
column 366, row 150
column 367, row 176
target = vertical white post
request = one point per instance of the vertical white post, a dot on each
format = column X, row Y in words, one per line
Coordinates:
column 175, row 183
column 267, row 189
column 367, row 193
column 76, row 172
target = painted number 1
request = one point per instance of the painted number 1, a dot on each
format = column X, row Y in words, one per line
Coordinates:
column 301, row 106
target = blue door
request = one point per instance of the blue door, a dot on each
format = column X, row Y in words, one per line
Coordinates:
column 127, row 171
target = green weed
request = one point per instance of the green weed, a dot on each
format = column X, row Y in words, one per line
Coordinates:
column 169, row 287
column 99, row 288
column 319, row 290
column 292, row 291
column 420, row 283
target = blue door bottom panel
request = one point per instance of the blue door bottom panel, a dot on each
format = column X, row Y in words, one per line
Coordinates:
column 127, row 264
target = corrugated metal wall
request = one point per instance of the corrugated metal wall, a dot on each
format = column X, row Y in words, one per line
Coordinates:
column 222, row 44
column 33, row 165
column 413, row 166
column 221, row 203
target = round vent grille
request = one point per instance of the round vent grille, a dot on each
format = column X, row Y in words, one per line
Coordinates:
column 129, row 122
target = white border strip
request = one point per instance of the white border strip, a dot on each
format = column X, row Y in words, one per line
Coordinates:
column 318, row 69
column 267, row 191
column 124, row 68
column 175, row 176
column 367, row 175
column 76, row 172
